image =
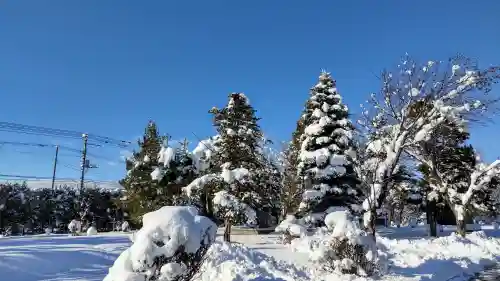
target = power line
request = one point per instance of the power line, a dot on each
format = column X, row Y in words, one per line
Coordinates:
column 44, row 145
column 76, row 180
column 44, row 131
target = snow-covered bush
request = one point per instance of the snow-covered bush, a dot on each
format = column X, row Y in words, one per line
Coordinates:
column 91, row 231
column 125, row 226
column 48, row 230
column 348, row 249
column 74, row 226
column 170, row 246
column 291, row 228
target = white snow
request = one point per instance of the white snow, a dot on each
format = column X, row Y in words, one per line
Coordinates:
column 413, row 257
column 164, row 232
column 203, row 153
column 238, row 174
column 291, row 225
column 74, row 226
column 91, row 231
column 224, row 199
column 166, row 156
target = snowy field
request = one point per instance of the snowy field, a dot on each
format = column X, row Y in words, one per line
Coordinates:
column 252, row 257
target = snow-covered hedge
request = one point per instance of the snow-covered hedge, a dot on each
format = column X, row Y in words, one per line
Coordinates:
column 170, row 246
column 347, row 249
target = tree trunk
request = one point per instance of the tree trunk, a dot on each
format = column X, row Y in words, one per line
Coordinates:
column 371, row 227
column 227, row 230
column 461, row 222
column 391, row 215
column 461, row 227
column 460, row 216
column 400, row 215
column 431, row 210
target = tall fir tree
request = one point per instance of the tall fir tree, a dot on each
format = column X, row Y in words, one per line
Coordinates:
column 326, row 152
column 143, row 193
column 238, row 158
column 239, row 144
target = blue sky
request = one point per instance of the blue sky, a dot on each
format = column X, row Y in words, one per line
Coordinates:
column 107, row 67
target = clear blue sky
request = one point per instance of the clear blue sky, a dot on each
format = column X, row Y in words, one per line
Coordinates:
column 107, row 67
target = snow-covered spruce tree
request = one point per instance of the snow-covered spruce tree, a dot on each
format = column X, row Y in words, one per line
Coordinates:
column 325, row 158
column 170, row 246
column 142, row 192
column 185, row 171
column 292, row 187
column 270, row 179
column 239, row 147
column 233, row 177
column 202, row 160
column 453, row 90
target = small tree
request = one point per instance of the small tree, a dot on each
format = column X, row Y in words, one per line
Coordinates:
column 142, row 192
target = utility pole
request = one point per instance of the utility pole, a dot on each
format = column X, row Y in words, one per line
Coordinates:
column 55, row 168
column 84, row 161
column 53, row 184
column 84, row 165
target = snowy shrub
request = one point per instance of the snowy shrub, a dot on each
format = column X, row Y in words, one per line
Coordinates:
column 91, row 231
column 170, row 246
column 74, row 226
column 48, row 230
column 290, row 228
column 348, row 249
column 291, row 224
column 125, row 226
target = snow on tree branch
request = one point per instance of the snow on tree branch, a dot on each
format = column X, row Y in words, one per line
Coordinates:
column 449, row 91
column 480, row 178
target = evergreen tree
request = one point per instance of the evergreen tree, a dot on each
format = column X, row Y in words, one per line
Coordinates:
column 239, row 146
column 454, row 163
column 292, row 187
column 325, row 158
column 143, row 193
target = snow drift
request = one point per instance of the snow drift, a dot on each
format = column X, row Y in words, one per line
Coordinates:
column 235, row 262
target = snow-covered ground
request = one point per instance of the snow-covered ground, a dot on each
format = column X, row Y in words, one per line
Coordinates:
column 262, row 257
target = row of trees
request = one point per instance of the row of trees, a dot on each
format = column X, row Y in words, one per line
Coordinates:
column 24, row 210
column 408, row 152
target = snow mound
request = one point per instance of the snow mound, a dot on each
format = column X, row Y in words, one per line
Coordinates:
column 91, row 231
column 234, row 262
column 446, row 258
column 170, row 238
column 290, row 224
column 434, row 259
